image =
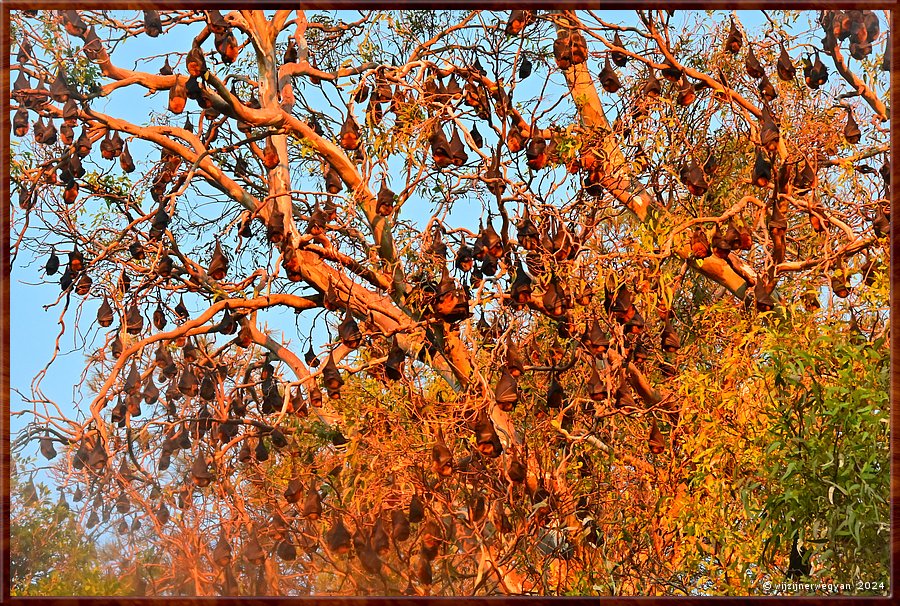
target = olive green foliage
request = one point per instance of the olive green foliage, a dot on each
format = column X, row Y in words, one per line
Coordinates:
column 785, row 434
column 829, row 477
column 49, row 553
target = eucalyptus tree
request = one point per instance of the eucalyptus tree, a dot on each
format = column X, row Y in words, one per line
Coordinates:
column 548, row 247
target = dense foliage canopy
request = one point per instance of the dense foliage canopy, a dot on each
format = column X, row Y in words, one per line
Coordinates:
column 49, row 554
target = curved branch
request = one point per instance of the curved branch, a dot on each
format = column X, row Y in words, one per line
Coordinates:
column 867, row 94
column 188, row 328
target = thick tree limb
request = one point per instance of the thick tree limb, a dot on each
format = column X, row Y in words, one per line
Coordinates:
column 617, row 178
column 867, row 94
